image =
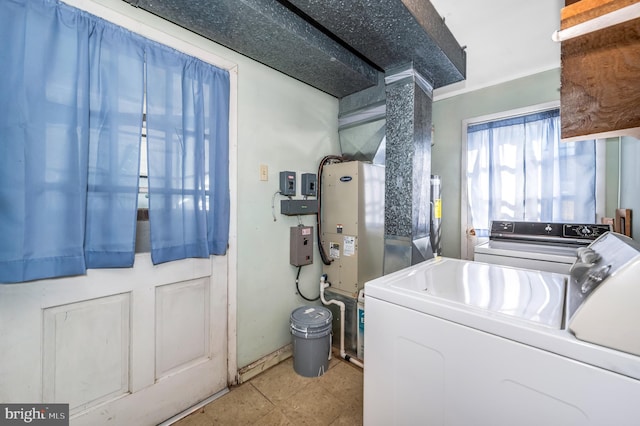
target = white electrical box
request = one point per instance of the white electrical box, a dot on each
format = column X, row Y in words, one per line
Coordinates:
column 352, row 220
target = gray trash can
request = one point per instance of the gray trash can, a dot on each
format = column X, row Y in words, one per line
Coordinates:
column 311, row 331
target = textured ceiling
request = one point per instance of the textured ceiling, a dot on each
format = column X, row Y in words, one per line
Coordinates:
column 337, row 46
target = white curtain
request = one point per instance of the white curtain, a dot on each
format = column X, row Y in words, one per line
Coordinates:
column 517, row 169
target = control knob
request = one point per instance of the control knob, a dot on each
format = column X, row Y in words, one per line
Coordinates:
column 585, row 231
column 594, row 277
column 587, row 255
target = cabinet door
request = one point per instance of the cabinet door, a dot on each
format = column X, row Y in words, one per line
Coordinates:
column 599, row 91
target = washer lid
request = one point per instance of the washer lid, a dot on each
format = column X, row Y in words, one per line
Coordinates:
column 529, row 295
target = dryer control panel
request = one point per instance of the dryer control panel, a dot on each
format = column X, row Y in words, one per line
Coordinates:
column 547, row 232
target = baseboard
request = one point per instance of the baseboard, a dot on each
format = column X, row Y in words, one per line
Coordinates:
column 250, row 371
column 194, row 408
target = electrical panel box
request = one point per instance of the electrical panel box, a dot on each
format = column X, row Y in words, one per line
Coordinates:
column 297, row 207
column 301, row 245
column 352, row 224
column 309, row 183
column 288, row 183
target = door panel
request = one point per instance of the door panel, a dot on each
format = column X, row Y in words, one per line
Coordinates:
column 86, row 352
column 182, row 325
column 121, row 346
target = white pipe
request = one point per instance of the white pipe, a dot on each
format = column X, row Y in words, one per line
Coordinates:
column 343, row 354
column 610, row 19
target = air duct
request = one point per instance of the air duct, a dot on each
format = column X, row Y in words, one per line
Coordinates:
column 407, row 169
column 362, row 124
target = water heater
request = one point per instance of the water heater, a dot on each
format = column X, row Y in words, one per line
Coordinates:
column 352, row 219
column 436, row 215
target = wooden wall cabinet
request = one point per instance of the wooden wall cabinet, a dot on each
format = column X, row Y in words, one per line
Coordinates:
column 600, row 92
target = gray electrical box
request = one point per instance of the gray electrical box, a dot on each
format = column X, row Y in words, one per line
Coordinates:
column 296, row 207
column 309, row 183
column 288, row 183
column 301, row 245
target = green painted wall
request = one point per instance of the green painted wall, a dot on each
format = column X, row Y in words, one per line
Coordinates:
column 612, row 176
column 286, row 125
column 630, row 180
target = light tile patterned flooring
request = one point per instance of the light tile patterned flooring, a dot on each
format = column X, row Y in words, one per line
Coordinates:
column 279, row 396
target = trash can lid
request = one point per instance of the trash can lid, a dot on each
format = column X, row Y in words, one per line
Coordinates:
column 311, row 316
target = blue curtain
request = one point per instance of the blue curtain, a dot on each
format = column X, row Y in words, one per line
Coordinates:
column 217, row 154
column 116, row 105
column 517, row 169
column 44, row 122
column 187, row 142
column 70, row 129
column 69, row 140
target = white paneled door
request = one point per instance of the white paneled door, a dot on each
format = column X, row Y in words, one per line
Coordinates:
column 120, row 346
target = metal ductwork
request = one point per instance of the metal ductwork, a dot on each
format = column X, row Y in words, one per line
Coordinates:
column 270, row 33
column 393, row 33
column 362, row 124
column 339, row 47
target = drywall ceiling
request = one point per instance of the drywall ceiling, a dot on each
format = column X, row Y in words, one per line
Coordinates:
column 504, row 39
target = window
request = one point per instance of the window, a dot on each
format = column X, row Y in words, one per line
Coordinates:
column 71, row 135
column 518, row 169
column 143, row 180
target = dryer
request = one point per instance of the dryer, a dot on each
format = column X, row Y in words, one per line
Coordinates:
column 542, row 246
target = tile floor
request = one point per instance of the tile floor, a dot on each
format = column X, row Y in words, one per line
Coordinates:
column 279, row 396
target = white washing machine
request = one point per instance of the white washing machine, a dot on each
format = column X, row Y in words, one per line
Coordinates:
column 453, row 342
column 541, row 246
